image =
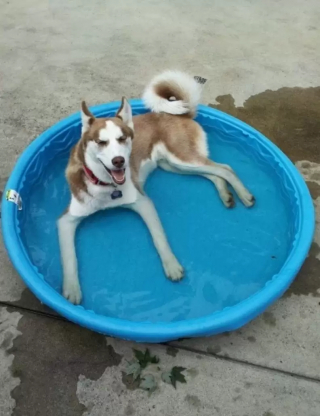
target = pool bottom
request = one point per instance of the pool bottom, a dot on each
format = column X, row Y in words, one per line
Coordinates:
column 228, row 254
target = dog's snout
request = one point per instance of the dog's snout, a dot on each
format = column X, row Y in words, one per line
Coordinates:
column 118, row 161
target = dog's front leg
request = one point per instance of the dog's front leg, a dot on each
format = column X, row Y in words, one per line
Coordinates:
column 145, row 208
column 67, row 226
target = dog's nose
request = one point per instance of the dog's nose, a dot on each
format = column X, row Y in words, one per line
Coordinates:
column 118, row 161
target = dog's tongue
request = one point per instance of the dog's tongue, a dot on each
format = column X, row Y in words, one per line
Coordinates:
column 118, row 176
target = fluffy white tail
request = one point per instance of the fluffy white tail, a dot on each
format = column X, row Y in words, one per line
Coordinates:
column 173, row 92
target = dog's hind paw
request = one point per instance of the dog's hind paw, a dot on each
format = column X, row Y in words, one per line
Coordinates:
column 72, row 292
column 228, row 200
column 173, row 269
column 247, row 198
column 249, row 201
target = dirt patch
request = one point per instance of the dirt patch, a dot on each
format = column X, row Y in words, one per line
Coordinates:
column 269, row 318
column 193, row 372
column 129, row 411
column 172, row 351
column 49, row 357
column 236, row 398
column 214, row 350
column 193, row 400
column 129, row 382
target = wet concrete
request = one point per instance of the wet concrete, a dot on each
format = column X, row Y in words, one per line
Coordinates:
column 213, row 387
column 290, row 117
column 308, row 280
column 49, row 357
column 8, row 332
column 314, row 188
column 29, row 301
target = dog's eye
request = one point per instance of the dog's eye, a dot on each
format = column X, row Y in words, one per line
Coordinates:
column 101, row 142
column 122, row 139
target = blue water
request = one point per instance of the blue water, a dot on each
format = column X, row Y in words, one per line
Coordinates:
column 227, row 254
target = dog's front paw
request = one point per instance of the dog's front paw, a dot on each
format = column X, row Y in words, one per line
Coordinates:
column 173, row 269
column 72, row 292
column 249, row 200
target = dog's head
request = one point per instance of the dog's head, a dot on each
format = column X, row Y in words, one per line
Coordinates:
column 109, row 140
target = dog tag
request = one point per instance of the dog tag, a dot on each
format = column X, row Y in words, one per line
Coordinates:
column 116, row 194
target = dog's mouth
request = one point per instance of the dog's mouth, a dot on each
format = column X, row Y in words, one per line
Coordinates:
column 119, row 176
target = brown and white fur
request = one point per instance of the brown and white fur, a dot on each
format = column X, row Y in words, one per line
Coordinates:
column 123, row 150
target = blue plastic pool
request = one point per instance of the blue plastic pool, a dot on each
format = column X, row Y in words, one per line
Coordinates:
column 237, row 261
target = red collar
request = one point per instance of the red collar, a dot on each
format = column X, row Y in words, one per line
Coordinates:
column 92, row 177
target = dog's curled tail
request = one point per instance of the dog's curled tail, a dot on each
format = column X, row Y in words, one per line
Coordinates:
column 173, row 92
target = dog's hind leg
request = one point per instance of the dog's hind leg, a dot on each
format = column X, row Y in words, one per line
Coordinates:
column 222, row 188
column 203, row 166
column 221, row 185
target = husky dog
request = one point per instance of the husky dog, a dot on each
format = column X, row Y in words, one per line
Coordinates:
column 111, row 162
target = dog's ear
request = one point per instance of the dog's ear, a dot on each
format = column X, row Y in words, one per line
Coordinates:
column 87, row 118
column 125, row 113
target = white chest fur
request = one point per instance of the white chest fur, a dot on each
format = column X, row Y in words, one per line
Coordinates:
column 100, row 197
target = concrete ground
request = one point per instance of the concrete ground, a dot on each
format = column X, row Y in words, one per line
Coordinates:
column 262, row 59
